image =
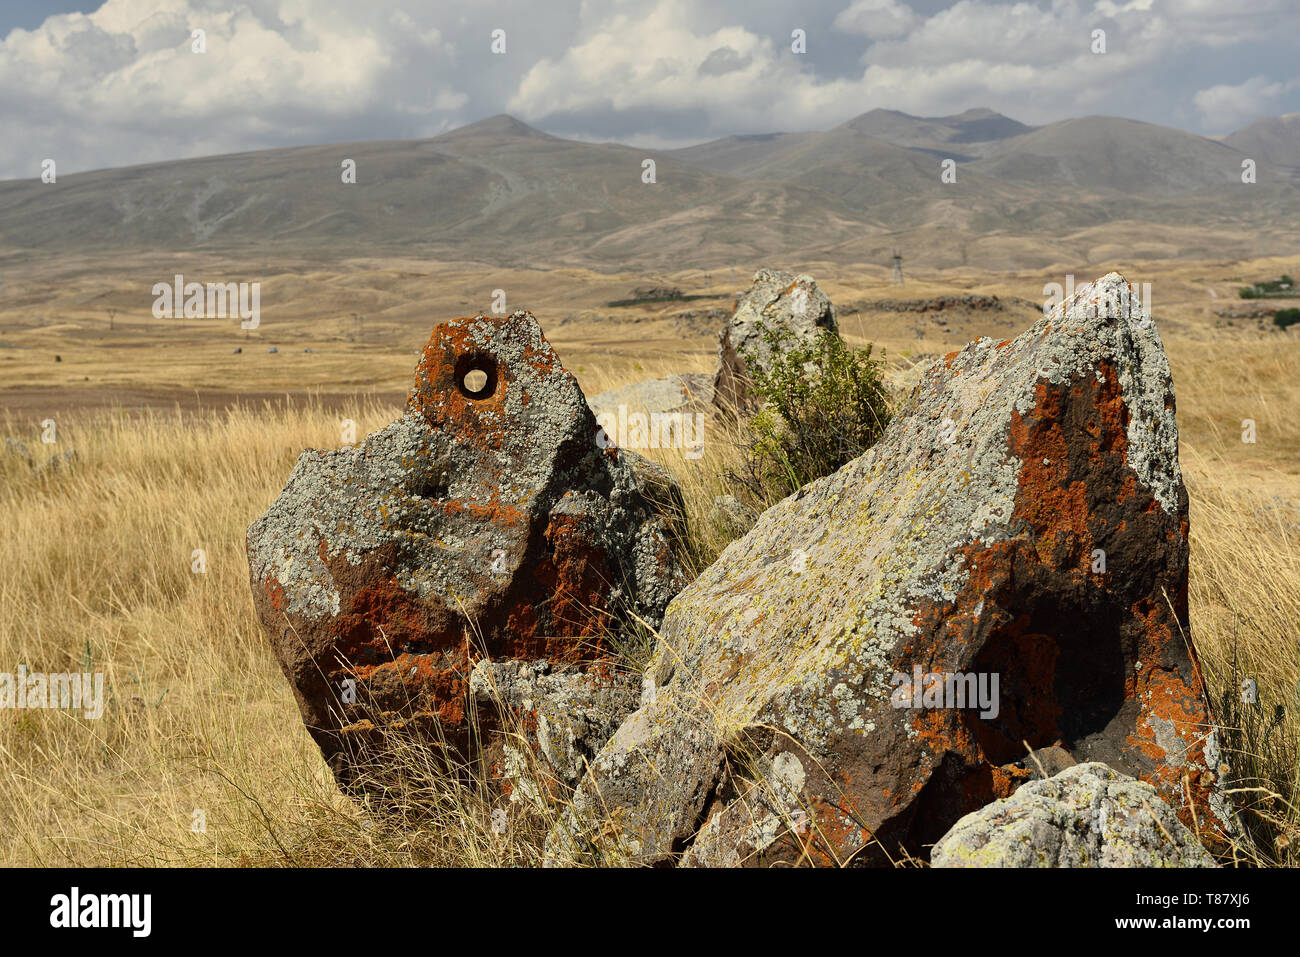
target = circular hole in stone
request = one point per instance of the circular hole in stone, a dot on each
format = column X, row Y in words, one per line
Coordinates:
column 476, row 376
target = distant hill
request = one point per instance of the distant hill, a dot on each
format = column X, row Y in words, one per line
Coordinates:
column 1275, row 140
column 1142, row 160
column 967, row 133
column 500, row 191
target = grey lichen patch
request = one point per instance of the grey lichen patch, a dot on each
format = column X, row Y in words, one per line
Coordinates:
column 1086, row 816
column 576, row 711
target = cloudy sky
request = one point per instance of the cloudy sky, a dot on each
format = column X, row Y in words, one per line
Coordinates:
column 95, row 84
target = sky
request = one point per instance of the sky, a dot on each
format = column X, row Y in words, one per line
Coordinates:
column 102, row 84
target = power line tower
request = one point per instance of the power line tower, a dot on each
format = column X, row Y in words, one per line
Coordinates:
column 898, row 270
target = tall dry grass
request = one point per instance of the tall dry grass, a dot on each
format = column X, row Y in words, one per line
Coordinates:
column 1245, row 572
column 97, row 559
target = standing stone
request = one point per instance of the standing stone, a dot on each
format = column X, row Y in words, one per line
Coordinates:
column 1087, row 816
column 775, row 300
column 1023, row 521
column 486, row 523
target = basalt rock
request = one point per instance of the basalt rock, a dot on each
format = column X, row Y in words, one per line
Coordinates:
column 485, row 524
column 1086, row 816
column 1008, row 566
column 779, row 301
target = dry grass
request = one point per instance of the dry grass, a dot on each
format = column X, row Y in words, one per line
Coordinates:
column 97, row 558
column 1245, row 575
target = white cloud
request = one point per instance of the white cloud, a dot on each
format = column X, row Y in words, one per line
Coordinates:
column 121, row 85
column 1033, row 62
column 1227, row 107
column 878, row 19
column 668, row 66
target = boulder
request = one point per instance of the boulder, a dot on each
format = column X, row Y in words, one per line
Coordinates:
column 733, row 515
column 1007, row 566
column 485, row 524
column 1046, row 762
column 572, row 712
column 1088, row 815
column 666, row 413
column 674, row 393
column 775, row 300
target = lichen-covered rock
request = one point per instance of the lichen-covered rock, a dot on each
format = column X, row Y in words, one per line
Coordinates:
column 1089, row 815
column 574, row 711
column 1020, row 531
column 733, row 515
column 673, row 393
column 485, row 523
column 661, row 491
column 775, row 300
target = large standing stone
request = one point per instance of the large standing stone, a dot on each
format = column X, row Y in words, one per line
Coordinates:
column 1024, row 518
column 485, row 523
column 775, row 300
column 1087, row 816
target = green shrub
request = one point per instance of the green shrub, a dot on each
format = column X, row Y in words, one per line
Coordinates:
column 824, row 404
column 1286, row 317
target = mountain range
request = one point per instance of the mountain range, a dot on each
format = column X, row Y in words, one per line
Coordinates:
column 1082, row 191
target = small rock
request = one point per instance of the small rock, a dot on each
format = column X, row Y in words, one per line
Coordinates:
column 1045, row 762
column 674, row 393
column 733, row 514
column 1088, row 815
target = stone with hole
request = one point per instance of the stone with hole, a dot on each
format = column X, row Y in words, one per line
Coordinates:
column 486, row 523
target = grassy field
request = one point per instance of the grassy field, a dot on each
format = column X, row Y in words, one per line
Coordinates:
column 177, row 443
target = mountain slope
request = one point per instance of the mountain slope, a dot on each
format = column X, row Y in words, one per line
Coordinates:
column 963, row 135
column 1142, row 160
column 1274, row 140
column 500, row 191
column 497, row 189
